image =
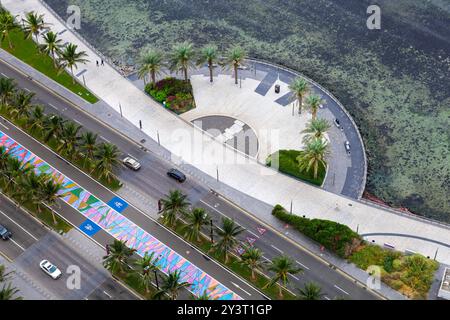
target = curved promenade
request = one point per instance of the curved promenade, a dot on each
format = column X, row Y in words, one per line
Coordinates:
column 245, row 175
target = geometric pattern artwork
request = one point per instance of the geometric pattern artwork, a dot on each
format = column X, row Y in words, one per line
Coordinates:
column 120, row 227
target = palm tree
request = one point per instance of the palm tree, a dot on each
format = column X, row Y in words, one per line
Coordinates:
column 69, row 139
column 181, row 58
column 282, row 267
column 4, row 156
column 315, row 129
column 21, row 105
column 69, row 58
column 33, row 25
column 252, row 259
column 227, row 233
column 171, row 286
column 28, row 188
column 37, row 119
column 7, row 90
column 49, row 194
column 88, row 145
column 151, row 63
column 145, row 268
column 4, row 276
column 313, row 156
column 310, row 291
column 195, row 220
column 7, row 24
column 208, row 55
column 53, row 127
column 15, row 169
column 51, row 45
column 7, row 292
column 107, row 159
column 116, row 261
column 299, row 88
column 203, row 296
column 173, row 206
column 235, row 57
column 313, row 102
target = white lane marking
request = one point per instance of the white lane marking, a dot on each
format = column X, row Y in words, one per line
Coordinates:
column 327, row 298
column 105, row 139
column 266, row 259
column 255, row 235
column 302, row 264
column 279, row 250
column 53, row 106
column 237, row 286
column 27, row 89
column 341, row 290
column 1, row 124
column 294, row 277
column 20, row 226
column 78, row 122
column 5, row 75
column 23, row 249
column 107, row 294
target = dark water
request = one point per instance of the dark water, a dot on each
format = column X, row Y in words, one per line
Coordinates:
column 394, row 81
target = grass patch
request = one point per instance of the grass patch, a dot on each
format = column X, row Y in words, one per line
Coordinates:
column 132, row 283
column 288, row 164
column 233, row 264
column 411, row 275
column 175, row 94
column 27, row 51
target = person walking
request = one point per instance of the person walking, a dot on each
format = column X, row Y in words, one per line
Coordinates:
column 102, row 63
column 97, row 62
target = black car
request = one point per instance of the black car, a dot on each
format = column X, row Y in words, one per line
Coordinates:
column 177, row 175
column 5, row 233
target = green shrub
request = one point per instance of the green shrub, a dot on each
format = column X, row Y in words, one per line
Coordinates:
column 332, row 235
column 175, row 92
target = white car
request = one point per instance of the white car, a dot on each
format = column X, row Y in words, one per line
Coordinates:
column 50, row 269
column 131, row 163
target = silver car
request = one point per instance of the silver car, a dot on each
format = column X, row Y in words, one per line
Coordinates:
column 347, row 146
column 50, row 269
column 131, row 163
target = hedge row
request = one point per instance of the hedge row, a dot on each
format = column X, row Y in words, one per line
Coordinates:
column 332, row 235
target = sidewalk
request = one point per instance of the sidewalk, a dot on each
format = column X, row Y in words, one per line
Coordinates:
column 244, row 175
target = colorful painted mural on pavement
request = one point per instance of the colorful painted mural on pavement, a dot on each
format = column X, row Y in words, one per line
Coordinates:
column 120, row 227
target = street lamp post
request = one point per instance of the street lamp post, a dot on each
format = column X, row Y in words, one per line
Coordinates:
column 140, row 124
column 120, row 108
column 212, row 233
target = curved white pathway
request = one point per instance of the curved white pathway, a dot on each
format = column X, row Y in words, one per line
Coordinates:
column 249, row 177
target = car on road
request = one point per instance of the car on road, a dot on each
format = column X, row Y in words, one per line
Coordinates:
column 131, row 163
column 50, row 269
column 347, row 146
column 242, row 67
column 176, row 174
column 5, row 233
column 337, row 123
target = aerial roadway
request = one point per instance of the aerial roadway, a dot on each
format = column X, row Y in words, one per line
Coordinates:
column 151, row 183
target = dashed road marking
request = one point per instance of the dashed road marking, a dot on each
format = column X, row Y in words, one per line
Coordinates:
column 279, row 250
column 19, row 226
column 23, row 249
column 302, row 264
column 341, row 290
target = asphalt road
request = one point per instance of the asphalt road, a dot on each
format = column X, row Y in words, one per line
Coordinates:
column 31, row 242
column 151, row 183
column 214, row 269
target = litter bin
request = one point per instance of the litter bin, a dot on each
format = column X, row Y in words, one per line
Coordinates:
column 277, row 88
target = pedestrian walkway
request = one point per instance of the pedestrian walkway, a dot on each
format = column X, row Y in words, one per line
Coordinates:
column 100, row 214
column 240, row 173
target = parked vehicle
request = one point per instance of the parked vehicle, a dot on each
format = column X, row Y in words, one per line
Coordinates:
column 50, row 269
column 131, row 163
column 347, row 146
column 5, row 233
column 177, row 175
column 337, row 123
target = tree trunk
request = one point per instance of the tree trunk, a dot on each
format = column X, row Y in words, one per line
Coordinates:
column 73, row 75
column 280, row 292
column 300, row 102
column 210, row 71
column 253, row 275
column 235, row 74
column 153, row 77
column 185, row 74
column 10, row 43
